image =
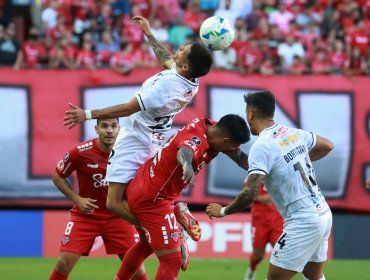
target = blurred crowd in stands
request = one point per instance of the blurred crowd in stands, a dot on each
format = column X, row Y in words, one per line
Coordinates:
column 271, row 37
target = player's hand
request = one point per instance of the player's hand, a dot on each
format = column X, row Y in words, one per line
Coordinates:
column 188, row 175
column 75, row 116
column 86, row 205
column 143, row 23
column 214, row 210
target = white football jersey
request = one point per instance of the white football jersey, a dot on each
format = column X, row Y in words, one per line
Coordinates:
column 281, row 154
column 161, row 97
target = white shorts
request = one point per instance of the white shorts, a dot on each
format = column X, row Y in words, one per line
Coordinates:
column 128, row 154
column 302, row 242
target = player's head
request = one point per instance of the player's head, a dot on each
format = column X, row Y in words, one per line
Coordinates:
column 229, row 133
column 107, row 129
column 194, row 60
column 260, row 106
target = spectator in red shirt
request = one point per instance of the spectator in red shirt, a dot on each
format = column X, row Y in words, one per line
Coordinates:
column 58, row 31
column 297, row 67
column 125, row 60
column 131, row 31
column 193, row 16
column 267, row 67
column 359, row 38
column 145, row 57
column 357, row 65
column 250, row 58
column 106, row 47
column 168, row 11
column 86, row 56
column 34, row 52
column 147, row 7
column 63, row 54
column 320, row 64
column 338, row 58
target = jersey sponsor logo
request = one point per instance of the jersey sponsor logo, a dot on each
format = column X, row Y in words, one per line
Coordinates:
column 65, row 240
column 65, row 169
column 174, row 236
column 93, row 165
column 99, row 180
column 295, row 152
column 196, row 140
column 66, row 157
column 60, row 165
column 288, row 140
column 280, row 132
column 159, row 136
column 84, row 147
column 151, row 171
column 191, row 144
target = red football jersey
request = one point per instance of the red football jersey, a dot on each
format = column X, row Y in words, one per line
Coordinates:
column 162, row 175
column 90, row 163
column 268, row 211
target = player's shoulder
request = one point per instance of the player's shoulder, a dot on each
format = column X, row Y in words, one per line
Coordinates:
column 85, row 146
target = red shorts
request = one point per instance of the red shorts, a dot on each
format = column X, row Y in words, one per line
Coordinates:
column 80, row 233
column 265, row 231
column 155, row 216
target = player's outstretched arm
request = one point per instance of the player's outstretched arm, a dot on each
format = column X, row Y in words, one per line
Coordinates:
column 321, row 149
column 185, row 158
column 240, row 158
column 78, row 115
column 86, row 205
column 248, row 194
column 163, row 55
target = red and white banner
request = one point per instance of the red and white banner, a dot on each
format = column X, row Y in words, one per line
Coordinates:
column 33, row 102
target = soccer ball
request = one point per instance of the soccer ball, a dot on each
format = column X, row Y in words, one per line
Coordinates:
column 216, row 33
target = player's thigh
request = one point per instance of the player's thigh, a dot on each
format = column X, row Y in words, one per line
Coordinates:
column 296, row 245
column 278, row 273
column 321, row 253
column 79, row 236
column 260, row 233
column 159, row 225
column 314, row 270
column 128, row 154
column 118, row 236
column 116, row 192
column 66, row 261
column 276, row 230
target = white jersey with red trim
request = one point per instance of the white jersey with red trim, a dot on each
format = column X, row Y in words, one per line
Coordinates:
column 282, row 154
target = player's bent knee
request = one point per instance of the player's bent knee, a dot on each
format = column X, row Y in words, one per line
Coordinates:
column 63, row 266
column 174, row 259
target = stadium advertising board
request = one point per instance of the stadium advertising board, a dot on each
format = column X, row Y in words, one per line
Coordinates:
column 229, row 237
column 35, row 140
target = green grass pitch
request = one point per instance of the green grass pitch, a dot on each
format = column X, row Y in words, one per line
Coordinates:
column 89, row 268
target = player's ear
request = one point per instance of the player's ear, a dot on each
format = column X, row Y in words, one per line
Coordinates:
column 186, row 67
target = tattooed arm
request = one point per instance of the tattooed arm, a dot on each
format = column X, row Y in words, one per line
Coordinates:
column 163, row 55
column 240, row 158
column 248, row 194
column 185, row 158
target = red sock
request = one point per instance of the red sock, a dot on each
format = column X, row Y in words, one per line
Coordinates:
column 55, row 275
column 253, row 263
column 133, row 259
column 169, row 266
